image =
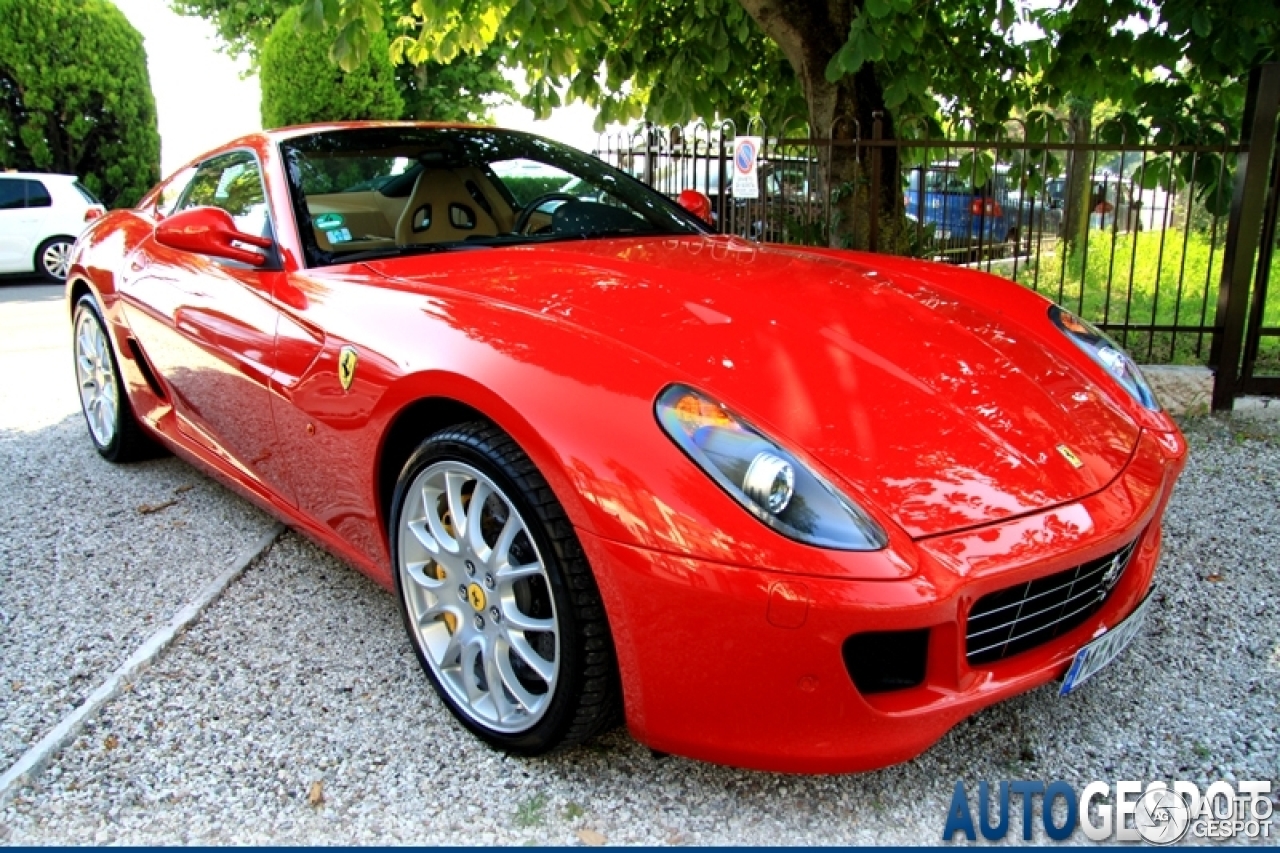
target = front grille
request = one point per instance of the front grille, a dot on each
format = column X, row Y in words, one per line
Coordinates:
column 1022, row 617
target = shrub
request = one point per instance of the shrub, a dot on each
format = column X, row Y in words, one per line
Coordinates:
column 75, row 96
column 300, row 85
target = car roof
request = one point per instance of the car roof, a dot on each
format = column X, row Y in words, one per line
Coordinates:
column 38, row 175
column 261, row 139
column 282, row 133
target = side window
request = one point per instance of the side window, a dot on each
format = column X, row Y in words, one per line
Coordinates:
column 232, row 182
column 38, row 194
column 12, row 194
column 172, row 192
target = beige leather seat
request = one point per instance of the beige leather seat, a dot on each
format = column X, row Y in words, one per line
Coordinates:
column 440, row 210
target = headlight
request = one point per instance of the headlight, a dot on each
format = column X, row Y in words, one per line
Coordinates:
column 1102, row 350
column 769, row 482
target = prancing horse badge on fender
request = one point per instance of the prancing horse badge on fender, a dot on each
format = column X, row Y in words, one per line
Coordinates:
column 347, row 360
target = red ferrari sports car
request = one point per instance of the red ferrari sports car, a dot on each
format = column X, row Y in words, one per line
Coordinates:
column 782, row 508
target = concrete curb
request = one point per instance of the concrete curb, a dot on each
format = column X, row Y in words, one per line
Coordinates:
column 33, row 762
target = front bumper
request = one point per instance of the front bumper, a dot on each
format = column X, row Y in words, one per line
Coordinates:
column 743, row 666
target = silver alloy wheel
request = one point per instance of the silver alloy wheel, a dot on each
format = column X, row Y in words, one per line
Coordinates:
column 478, row 596
column 56, row 259
column 97, row 378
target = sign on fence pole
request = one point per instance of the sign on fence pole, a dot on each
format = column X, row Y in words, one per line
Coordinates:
column 746, row 157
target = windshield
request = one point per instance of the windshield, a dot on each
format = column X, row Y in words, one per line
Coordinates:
column 364, row 193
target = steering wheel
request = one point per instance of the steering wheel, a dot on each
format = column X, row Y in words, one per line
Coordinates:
column 522, row 218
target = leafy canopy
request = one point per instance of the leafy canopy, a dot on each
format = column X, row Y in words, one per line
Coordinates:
column 75, row 96
column 1163, row 61
column 627, row 58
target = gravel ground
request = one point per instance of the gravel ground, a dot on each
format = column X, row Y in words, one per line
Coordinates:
column 295, row 712
column 94, row 557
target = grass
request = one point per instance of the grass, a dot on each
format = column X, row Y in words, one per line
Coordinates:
column 532, row 812
column 1151, row 278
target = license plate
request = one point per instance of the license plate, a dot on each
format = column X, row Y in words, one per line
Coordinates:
column 1100, row 652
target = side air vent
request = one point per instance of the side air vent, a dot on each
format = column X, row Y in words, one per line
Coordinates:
column 144, row 367
column 881, row 661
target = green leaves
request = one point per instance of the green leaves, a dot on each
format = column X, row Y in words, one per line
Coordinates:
column 351, row 46
column 975, row 168
column 878, row 8
column 863, row 45
column 317, row 15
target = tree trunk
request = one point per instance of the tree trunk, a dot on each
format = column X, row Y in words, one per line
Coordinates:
column 809, row 34
column 422, row 113
column 1078, row 203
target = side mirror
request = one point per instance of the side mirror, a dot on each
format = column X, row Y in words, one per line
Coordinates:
column 211, row 231
column 696, row 203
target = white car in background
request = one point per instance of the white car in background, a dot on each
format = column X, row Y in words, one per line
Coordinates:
column 40, row 217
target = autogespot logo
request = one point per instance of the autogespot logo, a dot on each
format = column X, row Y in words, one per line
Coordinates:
column 1158, row 813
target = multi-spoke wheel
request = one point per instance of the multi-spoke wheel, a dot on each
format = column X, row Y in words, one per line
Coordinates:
column 484, row 557
column 112, row 425
column 53, row 258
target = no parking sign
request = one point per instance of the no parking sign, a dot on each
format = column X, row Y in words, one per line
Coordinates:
column 746, row 157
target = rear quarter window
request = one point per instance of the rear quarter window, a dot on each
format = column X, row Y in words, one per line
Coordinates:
column 38, row 194
column 84, row 192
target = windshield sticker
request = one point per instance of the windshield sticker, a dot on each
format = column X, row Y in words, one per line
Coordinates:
column 325, row 221
column 339, row 235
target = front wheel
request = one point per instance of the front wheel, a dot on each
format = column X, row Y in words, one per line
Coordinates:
column 497, row 596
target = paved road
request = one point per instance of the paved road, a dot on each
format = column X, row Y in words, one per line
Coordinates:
column 293, row 711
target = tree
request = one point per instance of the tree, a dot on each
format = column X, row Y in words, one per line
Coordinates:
column 461, row 90
column 75, row 96
column 849, row 60
column 300, row 85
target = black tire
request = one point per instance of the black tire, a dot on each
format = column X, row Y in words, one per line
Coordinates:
column 128, row 441
column 43, row 269
column 586, row 700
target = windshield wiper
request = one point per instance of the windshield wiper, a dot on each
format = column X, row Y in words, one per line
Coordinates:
column 401, row 251
column 604, row 233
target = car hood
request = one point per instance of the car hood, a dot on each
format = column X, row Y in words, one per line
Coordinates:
column 938, row 411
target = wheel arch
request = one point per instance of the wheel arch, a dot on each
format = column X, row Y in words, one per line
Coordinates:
column 70, row 238
column 408, row 428
column 420, row 404
column 77, row 287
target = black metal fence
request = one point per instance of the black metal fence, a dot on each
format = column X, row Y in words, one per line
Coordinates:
column 1140, row 233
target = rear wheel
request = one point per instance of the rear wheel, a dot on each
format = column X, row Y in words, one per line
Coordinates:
column 114, row 429
column 53, row 259
column 497, row 596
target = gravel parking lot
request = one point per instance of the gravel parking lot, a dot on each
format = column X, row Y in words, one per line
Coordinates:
column 95, row 557
column 294, row 711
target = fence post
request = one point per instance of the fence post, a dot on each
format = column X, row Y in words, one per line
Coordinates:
column 649, row 131
column 726, row 222
column 1244, row 231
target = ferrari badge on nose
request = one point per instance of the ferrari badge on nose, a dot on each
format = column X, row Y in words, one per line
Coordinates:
column 1067, row 453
